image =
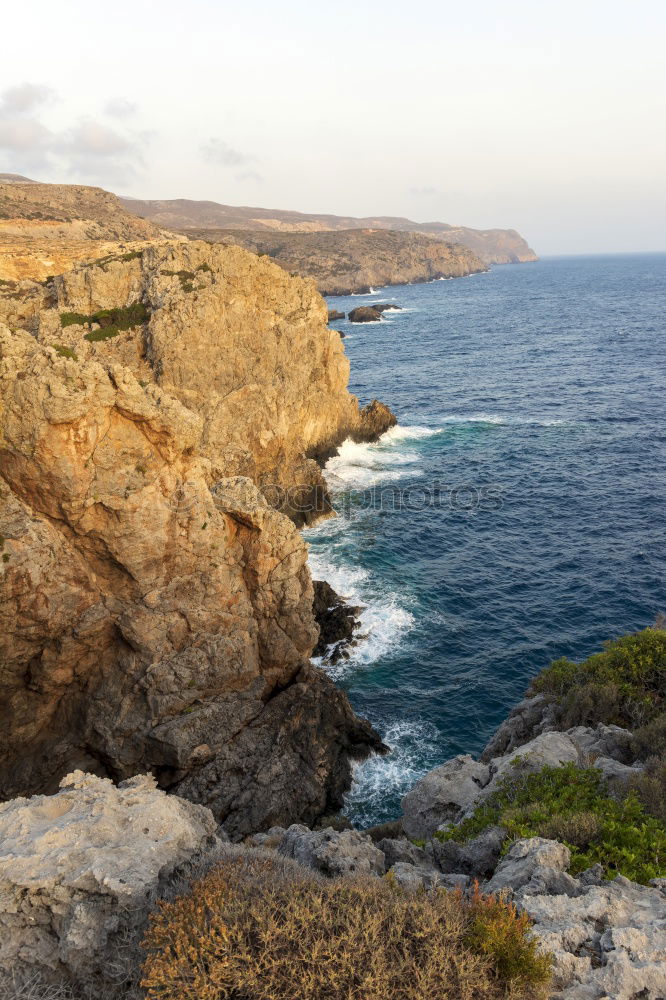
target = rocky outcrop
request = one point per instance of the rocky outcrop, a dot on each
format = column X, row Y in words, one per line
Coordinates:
column 337, row 621
column 443, row 795
column 156, row 609
column 78, row 870
column 334, row 314
column 365, row 314
column 356, row 260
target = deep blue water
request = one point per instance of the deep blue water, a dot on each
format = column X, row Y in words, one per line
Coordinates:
column 536, row 392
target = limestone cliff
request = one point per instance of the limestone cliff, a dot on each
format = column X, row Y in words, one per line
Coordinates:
column 156, row 611
column 356, row 260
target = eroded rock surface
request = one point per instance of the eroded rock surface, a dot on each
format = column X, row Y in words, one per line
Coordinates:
column 156, row 609
column 80, row 866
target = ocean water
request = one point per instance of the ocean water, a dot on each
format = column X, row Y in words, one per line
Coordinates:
column 515, row 515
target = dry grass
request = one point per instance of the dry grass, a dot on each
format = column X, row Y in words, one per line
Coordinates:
column 253, row 929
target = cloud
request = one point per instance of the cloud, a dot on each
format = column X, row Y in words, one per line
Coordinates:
column 221, row 154
column 24, row 97
column 120, row 107
column 23, row 135
column 92, row 139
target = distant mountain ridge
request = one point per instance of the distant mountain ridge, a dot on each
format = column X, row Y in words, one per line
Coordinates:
column 492, row 246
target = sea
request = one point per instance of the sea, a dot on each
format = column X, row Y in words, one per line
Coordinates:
column 515, row 515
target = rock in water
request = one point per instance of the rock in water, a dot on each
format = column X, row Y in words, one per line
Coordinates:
column 334, row 314
column 365, row 314
column 79, row 868
column 155, row 609
column 337, row 622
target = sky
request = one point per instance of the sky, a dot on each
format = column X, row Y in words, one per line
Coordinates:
column 547, row 117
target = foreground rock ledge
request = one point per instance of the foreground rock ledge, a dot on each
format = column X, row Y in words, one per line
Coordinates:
column 78, row 869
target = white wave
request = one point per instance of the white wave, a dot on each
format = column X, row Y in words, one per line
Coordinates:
column 500, row 419
column 381, row 778
column 360, row 466
column 402, row 433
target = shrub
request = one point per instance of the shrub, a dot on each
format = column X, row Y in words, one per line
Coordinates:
column 65, row 352
column 650, row 788
column 625, row 684
column 252, row 931
column 73, row 319
column 570, row 804
column 650, row 740
column 103, row 334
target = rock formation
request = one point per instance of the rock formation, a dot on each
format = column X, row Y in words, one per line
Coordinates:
column 356, row 260
column 78, row 870
column 156, row 607
column 365, row 314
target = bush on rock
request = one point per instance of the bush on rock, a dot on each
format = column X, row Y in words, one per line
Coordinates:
column 254, row 930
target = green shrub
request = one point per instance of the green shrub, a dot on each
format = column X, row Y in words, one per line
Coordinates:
column 570, row 804
column 103, row 334
column 624, row 685
column 65, row 352
column 650, row 740
column 73, row 319
column 257, row 929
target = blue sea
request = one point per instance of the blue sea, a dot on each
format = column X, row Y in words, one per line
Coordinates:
column 515, row 515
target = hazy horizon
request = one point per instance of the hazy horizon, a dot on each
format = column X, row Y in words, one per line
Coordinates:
column 498, row 116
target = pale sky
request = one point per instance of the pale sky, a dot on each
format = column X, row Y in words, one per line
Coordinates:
column 548, row 117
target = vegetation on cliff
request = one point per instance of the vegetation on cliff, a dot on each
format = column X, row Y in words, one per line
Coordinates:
column 253, row 930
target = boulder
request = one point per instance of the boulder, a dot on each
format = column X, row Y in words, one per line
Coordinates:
column 79, row 868
column 443, row 795
column 332, row 852
column 477, row 857
column 374, row 420
column 403, row 851
column 365, row 314
column 382, row 307
column 334, row 314
column 530, row 717
column 525, row 860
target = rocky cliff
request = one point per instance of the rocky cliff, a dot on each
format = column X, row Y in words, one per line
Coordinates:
column 156, row 608
column 47, row 228
column 356, row 260
column 492, row 246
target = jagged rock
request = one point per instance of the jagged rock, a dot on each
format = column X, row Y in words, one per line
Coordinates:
column 365, row 314
column 530, row 717
column 477, row 857
column 382, row 307
column 80, row 866
column 399, row 851
column 392, row 830
column 609, row 941
column 269, row 840
column 337, row 621
column 334, row 314
column 442, row 795
column 332, row 852
column 155, row 609
column 525, row 860
column 373, row 421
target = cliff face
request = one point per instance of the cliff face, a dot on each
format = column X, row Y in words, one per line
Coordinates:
column 156, row 610
column 356, row 260
column 492, row 246
column 47, row 228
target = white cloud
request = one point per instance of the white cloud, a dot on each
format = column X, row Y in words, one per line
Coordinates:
column 24, row 97
column 91, row 138
column 120, row 107
column 23, row 135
